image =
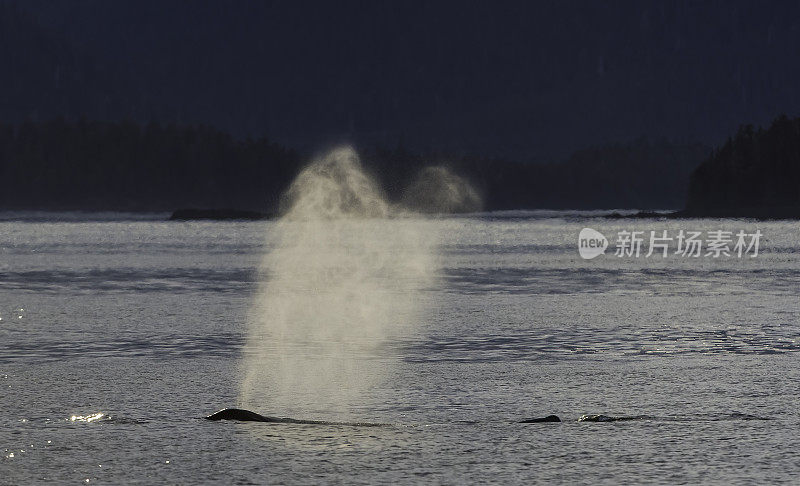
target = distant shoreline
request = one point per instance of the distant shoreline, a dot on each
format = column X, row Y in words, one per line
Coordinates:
column 223, row 214
column 760, row 214
column 188, row 215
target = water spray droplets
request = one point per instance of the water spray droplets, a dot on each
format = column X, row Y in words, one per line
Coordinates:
column 344, row 279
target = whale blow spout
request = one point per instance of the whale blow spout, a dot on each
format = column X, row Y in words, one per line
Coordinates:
column 549, row 418
column 238, row 414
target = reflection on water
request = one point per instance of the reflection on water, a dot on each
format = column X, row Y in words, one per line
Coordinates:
column 94, row 417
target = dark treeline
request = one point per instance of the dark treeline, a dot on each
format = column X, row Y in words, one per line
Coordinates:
column 756, row 173
column 122, row 166
column 89, row 165
column 641, row 174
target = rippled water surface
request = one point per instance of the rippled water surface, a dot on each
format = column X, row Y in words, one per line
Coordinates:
column 143, row 321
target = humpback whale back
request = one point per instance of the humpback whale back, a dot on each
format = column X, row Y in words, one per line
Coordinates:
column 549, row 418
column 248, row 416
column 238, row 414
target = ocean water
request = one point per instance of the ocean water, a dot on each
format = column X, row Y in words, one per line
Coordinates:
column 117, row 335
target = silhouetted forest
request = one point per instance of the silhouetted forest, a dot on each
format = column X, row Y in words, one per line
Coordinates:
column 91, row 165
column 122, row 166
column 756, row 173
column 641, row 174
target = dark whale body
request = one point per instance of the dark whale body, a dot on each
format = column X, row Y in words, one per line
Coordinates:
column 248, row 416
column 239, row 414
column 549, row 418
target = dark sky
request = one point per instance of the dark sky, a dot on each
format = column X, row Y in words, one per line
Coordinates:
column 530, row 80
